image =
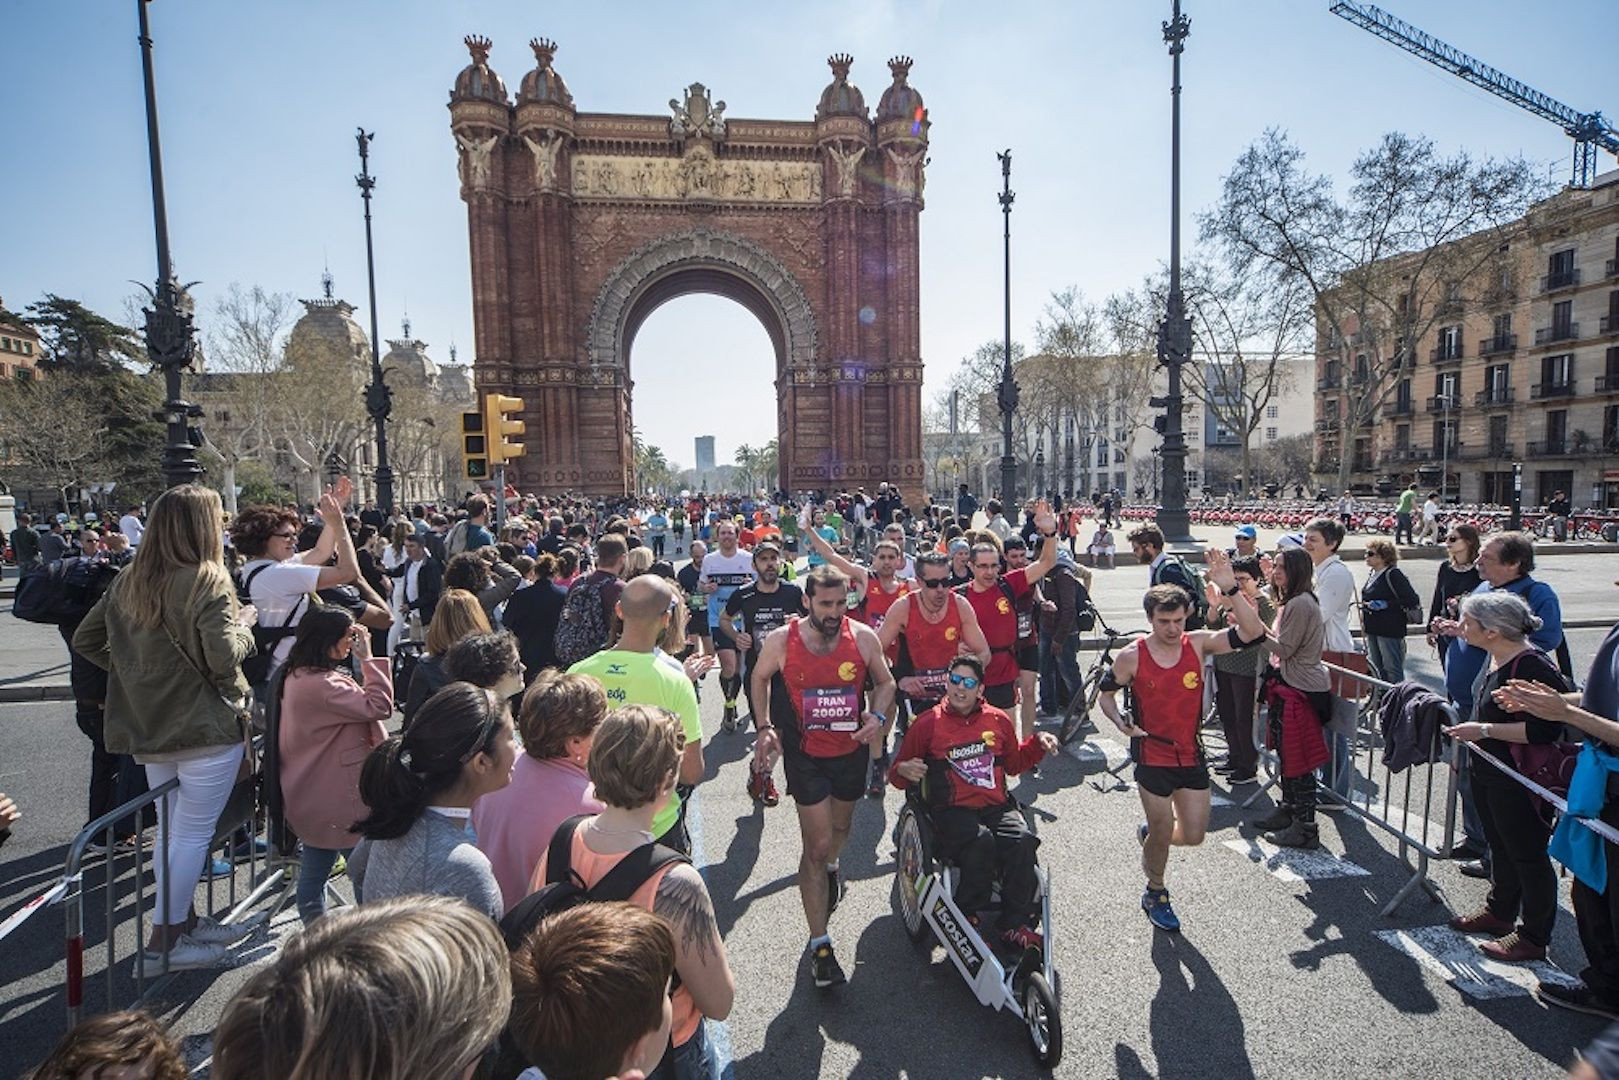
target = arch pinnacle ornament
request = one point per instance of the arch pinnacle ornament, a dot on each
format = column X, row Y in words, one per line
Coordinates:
column 702, row 249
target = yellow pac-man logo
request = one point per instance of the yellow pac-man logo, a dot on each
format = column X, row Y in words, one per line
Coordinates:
column 989, row 739
column 1003, row 606
column 846, row 671
column 1189, row 680
column 950, row 633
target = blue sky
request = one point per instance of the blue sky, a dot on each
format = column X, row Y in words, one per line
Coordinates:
column 259, row 102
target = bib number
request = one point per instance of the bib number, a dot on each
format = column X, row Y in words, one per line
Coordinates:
column 831, row 709
column 933, row 681
column 1025, row 624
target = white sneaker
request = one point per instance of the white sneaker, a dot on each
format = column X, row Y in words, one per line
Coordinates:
column 210, row 931
column 186, row 954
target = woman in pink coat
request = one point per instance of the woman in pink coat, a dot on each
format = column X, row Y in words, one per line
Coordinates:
column 549, row 784
column 329, row 723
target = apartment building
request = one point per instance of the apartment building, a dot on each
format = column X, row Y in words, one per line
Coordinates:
column 1519, row 366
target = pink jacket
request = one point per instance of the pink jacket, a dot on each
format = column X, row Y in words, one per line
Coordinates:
column 328, row 727
column 515, row 824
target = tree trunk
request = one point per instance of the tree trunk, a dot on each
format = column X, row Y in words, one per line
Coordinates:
column 230, row 486
column 1247, row 466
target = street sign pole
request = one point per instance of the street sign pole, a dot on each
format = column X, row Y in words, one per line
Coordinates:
column 500, row 497
column 1516, row 521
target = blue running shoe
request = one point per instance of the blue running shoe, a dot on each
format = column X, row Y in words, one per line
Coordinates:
column 218, row 867
column 1141, row 833
column 1155, row 902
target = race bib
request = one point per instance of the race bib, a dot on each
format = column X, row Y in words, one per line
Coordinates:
column 831, row 709
column 974, row 763
column 1025, row 624
column 933, row 682
column 730, row 580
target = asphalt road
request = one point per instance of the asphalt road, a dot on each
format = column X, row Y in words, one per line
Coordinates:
column 1284, row 968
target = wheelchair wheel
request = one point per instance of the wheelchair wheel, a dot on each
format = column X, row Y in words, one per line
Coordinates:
column 912, row 861
column 1043, row 1021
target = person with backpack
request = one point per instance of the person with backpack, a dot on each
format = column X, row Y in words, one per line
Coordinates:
column 172, row 638
column 421, row 787
column 1147, row 541
column 471, row 532
column 326, row 724
column 584, row 628
column 277, row 579
column 1522, row 880
column 635, row 763
column 636, row 671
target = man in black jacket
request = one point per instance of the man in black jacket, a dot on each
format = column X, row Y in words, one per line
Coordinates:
column 422, row 576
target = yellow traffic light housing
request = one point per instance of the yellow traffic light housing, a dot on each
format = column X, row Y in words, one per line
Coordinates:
column 474, row 446
column 501, row 422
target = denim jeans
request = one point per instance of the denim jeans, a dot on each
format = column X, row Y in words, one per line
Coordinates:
column 692, row 1061
column 314, row 867
column 1386, row 655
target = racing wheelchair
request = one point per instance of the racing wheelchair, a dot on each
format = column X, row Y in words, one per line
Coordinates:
column 1025, row 983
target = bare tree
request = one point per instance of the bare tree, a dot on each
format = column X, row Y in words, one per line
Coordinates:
column 47, row 430
column 1418, row 236
column 244, row 345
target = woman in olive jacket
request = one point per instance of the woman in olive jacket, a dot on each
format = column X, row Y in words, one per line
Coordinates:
column 171, row 637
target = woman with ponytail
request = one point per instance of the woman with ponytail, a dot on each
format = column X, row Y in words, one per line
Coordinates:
column 421, row 787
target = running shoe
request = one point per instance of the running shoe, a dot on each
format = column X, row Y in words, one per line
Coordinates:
column 1155, row 902
column 1034, row 772
column 879, row 778
column 729, row 721
column 185, row 954
column 824, row 967
column 834, row 889
column 209, row 931
column 1024, row 937
column 762, row 787
column 1579, row 998
column 771, row 796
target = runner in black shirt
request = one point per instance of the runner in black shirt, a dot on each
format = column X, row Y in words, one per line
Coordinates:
column 751, row 613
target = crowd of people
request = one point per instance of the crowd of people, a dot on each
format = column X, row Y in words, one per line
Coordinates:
column 517, row 843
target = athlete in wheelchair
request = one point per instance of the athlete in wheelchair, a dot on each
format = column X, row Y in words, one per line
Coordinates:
column 991, row 915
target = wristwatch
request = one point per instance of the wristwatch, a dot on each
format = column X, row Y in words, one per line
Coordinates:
column 1484, row 731
column 1233, row 591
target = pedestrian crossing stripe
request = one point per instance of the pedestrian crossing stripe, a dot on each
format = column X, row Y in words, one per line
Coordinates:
column 1296, row 864
column 1455, row 957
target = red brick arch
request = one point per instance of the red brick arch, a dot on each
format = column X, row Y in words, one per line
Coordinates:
column 582, row 224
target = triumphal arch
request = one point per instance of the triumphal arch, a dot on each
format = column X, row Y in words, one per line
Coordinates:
column 581, row 224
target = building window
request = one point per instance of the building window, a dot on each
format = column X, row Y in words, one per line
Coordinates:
column 5, row 343
column 1402, row 436
column 1610, row 428
column 28, row 348
column 1270, row 412
column 1270, row 434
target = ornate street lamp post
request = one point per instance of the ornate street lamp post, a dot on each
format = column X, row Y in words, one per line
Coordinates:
column 1175, row 333
column 1007, row 398
column 1040, row 466
column 170, row 345
column 378, row 396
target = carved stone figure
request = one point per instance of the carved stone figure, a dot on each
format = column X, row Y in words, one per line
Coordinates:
column 606, row 179
column 698, row 116
column 475, row 162
column 746, row 182
column 908, row 179
column 847, row 163
column 545, row 151
column 641, row 181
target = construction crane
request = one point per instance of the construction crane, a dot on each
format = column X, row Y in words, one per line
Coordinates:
column 1588, row 130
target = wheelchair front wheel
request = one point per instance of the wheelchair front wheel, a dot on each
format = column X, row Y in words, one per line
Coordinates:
column 1043, row 1020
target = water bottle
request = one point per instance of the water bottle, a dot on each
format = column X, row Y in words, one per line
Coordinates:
column 415, row 627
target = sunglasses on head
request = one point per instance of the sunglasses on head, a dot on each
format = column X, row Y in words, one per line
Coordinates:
column 935, row 583
column 966, row 682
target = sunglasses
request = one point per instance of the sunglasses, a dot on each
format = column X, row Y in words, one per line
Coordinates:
column 283, row 535
column 966, row 682
column 935, row 583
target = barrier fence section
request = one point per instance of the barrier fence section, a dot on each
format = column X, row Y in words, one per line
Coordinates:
column 1402, row 804
column 1596, row 825
column 130, row 865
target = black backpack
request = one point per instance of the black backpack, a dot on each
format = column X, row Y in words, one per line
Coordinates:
column 563, row 890
column 256, row 668
column 582, row 629
column 63, row 591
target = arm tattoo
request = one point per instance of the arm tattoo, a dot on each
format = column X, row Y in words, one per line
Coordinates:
column 685, row 904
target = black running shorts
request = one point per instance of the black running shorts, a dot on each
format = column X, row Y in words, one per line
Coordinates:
column 815, row 779
column 1165, row 780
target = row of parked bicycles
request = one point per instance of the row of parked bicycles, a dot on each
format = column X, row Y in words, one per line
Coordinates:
column 1588, row 525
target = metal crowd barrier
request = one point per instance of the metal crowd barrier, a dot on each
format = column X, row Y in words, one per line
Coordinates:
column 1596, row 825
column 1401, row 804
column 225, row 899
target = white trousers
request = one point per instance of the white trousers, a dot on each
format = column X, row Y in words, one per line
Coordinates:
column 191, row 812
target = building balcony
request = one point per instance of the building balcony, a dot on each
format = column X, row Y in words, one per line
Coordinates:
column 1400, row 455
column 1543, row 390
column 1497, row 346
column 1564, row 279
column 1329, row 382
column 1609, row 325
column 1548, row 448
column 1548, row 335
column 1608, row 384
column 1446, row 354
column 1494, row 395
column 1441, row 403
column 1399, row 407
column 1489, row 452
column 1331, row 424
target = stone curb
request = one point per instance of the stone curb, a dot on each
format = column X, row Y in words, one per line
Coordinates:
column 35, row 692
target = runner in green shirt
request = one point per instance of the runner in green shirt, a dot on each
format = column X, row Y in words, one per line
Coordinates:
column 639, row 673
column 1403, row 512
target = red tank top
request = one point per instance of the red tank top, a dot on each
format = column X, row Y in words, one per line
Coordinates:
column 874, row 608
column 998, row 619
column 826, row 692
column 933, row 645
column 1169, row 707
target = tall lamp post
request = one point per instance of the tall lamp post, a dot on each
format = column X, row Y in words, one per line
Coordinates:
column 378, row 396
column 170, row 345
column 1007, row 398
column 1175, row 333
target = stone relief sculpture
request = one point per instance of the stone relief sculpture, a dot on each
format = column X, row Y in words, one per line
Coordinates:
column 847, row 163
column 908, row 179
column 475, row 160
column 545, row 151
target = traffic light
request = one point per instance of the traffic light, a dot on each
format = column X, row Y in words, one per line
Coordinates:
column 500, row 421
column 474, row 451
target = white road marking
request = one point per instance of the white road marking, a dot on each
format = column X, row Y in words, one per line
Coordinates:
column 1455, row 957
column 1296, row 864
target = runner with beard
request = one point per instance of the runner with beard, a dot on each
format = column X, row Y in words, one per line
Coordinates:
column 808, row 686
column 994, row 597
column 724, row 571
column 879, row 589
column 751, row 613
column 930, row 628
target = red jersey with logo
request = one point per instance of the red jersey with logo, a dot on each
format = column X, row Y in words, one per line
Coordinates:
column 874, row 608
column 1169, row 707
column 933, row 646
column 826, row 692
column 979, row 752
column 998, row 618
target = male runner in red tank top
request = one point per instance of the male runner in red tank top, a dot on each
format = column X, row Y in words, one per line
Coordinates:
column 809, row 683
column 1165, row 668
column 936, row 625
